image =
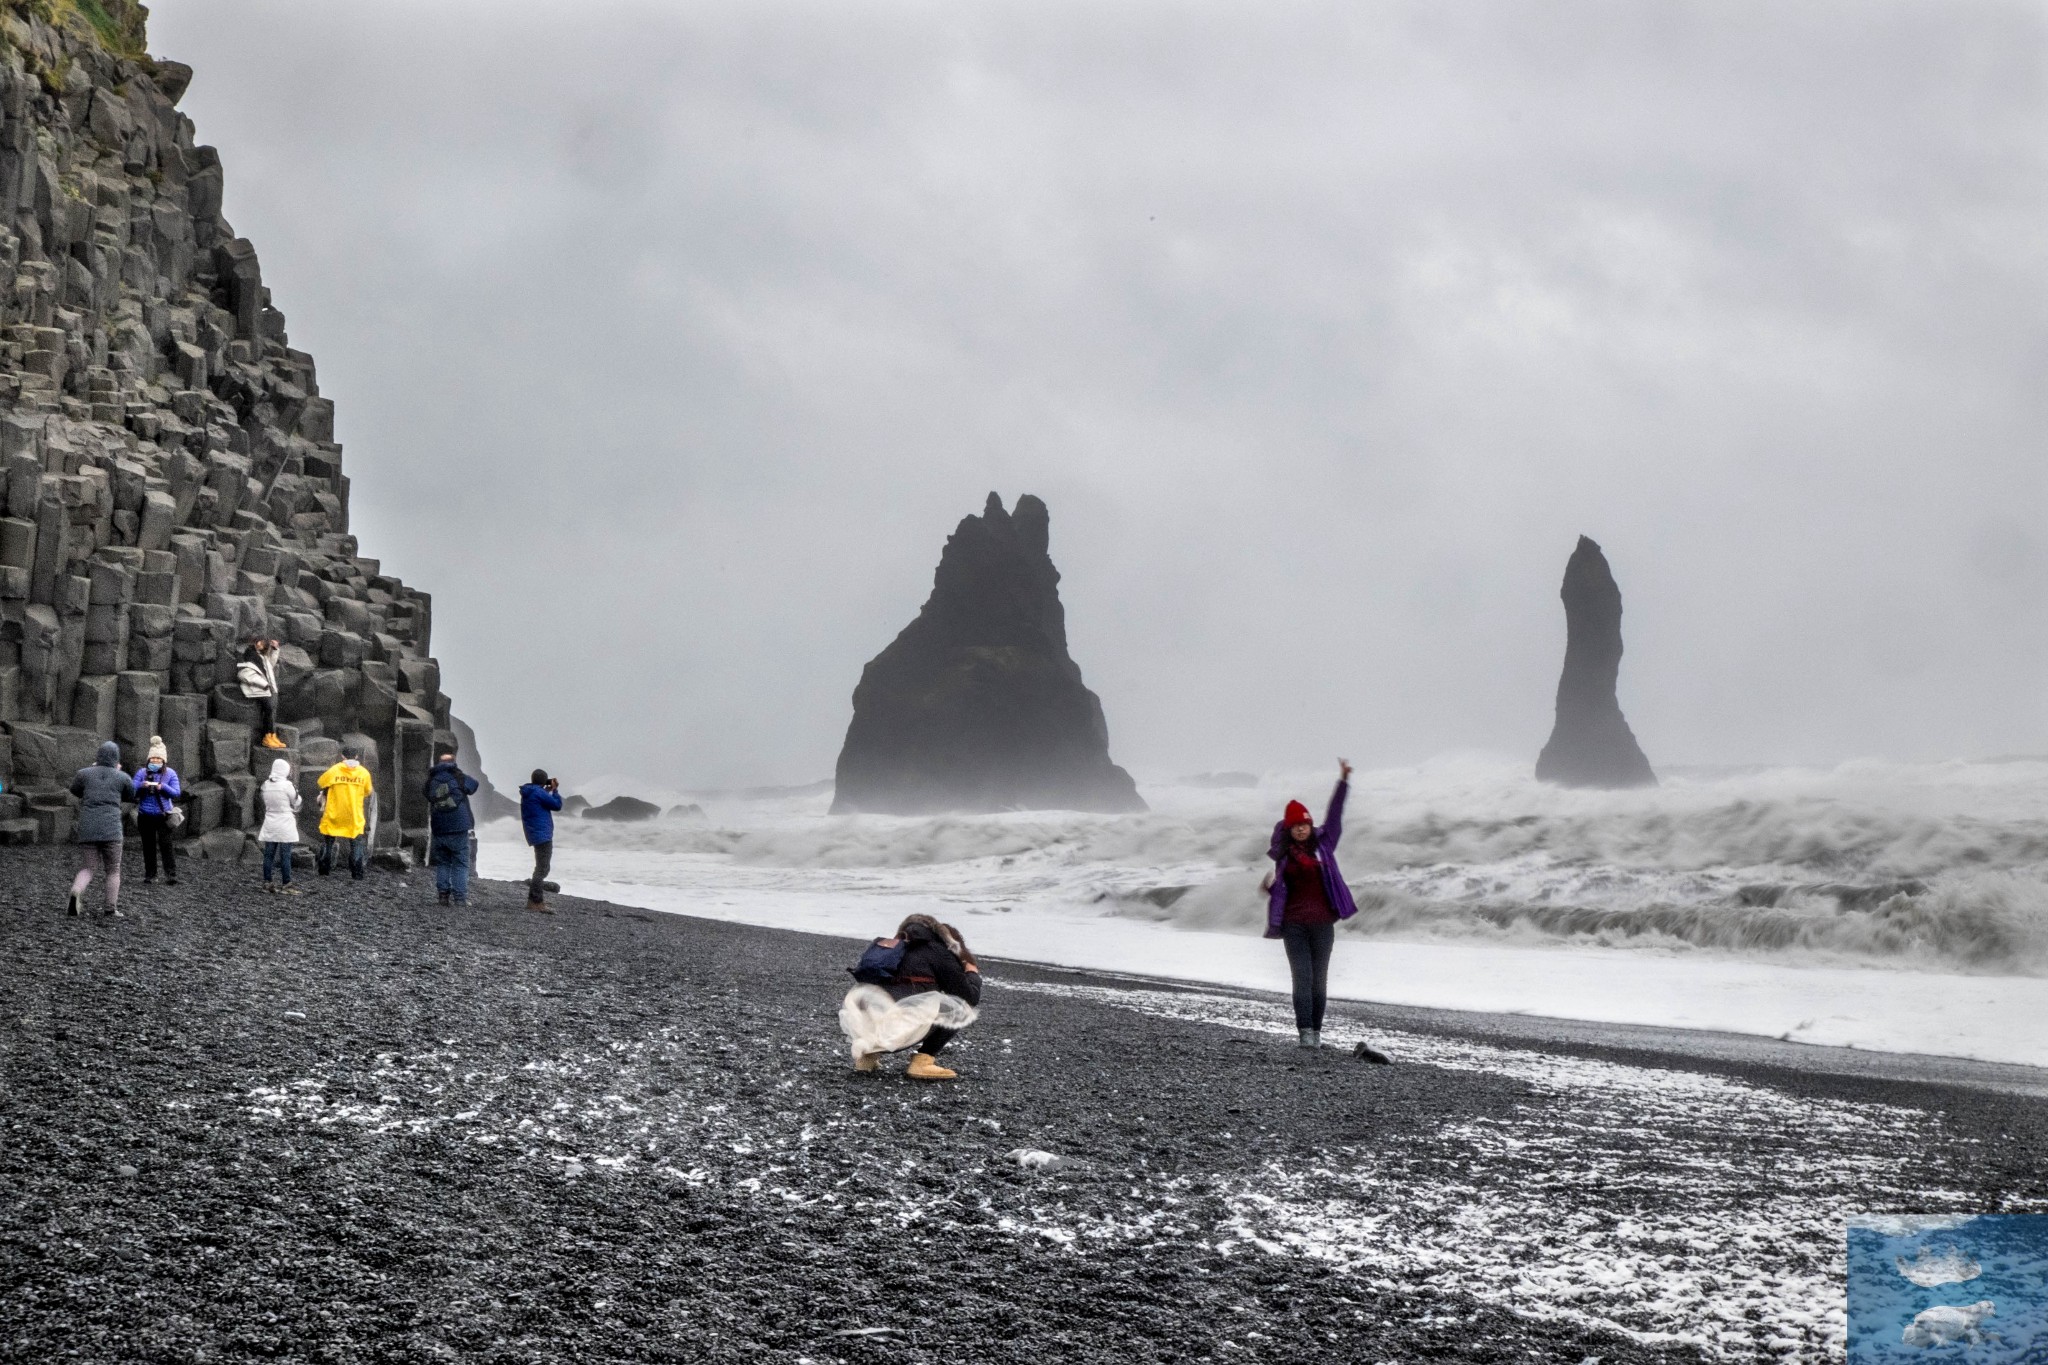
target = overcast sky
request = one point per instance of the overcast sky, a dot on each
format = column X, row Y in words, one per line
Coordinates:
column 669, row 341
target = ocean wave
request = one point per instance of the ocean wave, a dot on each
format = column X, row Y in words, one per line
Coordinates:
column 1993, row 922
column 1937, row 864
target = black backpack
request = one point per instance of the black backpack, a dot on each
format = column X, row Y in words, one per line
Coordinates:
column 446, row 793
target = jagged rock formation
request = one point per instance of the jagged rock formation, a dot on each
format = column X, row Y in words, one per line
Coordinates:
column 624, row 809
column 1591, row 744
column 169, row 480
column 976, row 706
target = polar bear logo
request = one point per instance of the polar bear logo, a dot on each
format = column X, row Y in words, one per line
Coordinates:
column 1946, row 1326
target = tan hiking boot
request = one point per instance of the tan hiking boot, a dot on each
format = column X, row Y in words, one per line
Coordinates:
column 542, row 907
column 273, row 741
column 868, row 1061
column 926, row 1068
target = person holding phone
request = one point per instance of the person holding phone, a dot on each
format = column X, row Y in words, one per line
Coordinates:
column 538, row 802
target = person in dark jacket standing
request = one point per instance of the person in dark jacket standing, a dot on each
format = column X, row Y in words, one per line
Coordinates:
column 156, row 793
column 935, row 958
column 1306, row 897
column 448, row 790
column 538, row 802
column 101, row 790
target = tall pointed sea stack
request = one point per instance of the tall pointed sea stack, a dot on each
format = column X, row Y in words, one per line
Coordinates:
column 1591, row 745
column 169, row 480
column 976, row 705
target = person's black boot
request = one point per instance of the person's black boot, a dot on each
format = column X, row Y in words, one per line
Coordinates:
column 1366, row 1052
column 446, row 898
column 71, row 905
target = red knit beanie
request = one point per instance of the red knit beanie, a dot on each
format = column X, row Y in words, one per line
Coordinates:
column 1297, row 814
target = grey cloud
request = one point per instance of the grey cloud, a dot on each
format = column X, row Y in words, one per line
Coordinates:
column 670, row 341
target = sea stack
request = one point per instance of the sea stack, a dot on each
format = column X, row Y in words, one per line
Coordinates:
column 1591, row 745
column 170, row 485
column 976, row 706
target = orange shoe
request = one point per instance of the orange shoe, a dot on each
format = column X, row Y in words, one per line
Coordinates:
column 926, row 1068
column 272, row 741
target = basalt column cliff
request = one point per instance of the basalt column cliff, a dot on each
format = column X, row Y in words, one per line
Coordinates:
column 169, row 480
column 976, row 706
column 1591, row 745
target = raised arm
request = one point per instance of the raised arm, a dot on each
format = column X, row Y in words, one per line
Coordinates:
column 1333, row 818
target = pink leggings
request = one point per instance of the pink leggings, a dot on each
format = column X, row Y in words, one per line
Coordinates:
column 107, row 857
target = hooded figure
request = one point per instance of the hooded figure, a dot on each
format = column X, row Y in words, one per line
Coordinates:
column 280, row 832
column 101, row 790
column 281, row 804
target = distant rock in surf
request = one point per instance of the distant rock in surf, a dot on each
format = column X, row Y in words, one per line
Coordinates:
column 977, row 706
column 1591, row 745
column 575, row 805
column 1221, row 781
column 624, row 808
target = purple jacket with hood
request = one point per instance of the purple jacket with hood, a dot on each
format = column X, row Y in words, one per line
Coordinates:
column 1325, row 839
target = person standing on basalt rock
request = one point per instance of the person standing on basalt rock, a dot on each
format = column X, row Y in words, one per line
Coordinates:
column 538, row 802
column 448, row 790
column 346, row 793
column 101, row 790
column 280, row 832
column 156, row 792
column 1305, row 898
column 257, row 674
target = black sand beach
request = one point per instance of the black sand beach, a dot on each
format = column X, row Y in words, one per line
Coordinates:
column 352, row 1125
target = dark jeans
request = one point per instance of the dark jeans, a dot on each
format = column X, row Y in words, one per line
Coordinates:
column 277, row 858
column 357, row 851
column 156, row 841
column 450, row 857
column 268, row 705
column 937, row 1039
column 1308, row 957
column 543, row 859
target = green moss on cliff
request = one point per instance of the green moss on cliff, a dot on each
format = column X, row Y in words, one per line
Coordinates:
column 120, row 26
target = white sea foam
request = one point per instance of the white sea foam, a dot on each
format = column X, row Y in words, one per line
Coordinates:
column 1943, row 866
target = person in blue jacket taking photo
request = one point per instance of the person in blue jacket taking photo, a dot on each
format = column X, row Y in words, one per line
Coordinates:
column 538, row 802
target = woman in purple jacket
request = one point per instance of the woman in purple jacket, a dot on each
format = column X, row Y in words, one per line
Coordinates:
column 1306, row 896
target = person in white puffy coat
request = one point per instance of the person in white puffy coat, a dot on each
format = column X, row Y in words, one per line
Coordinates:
column 280, row 832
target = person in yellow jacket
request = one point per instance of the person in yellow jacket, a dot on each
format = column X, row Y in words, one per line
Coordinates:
column 348, row 808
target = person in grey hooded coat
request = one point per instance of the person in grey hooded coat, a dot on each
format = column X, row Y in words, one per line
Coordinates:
column 101, row 790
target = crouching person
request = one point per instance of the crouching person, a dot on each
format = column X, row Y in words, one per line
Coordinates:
column 920, row 988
